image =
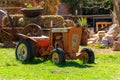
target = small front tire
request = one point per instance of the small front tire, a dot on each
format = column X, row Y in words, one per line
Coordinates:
column 88, row 55
column 58, row 56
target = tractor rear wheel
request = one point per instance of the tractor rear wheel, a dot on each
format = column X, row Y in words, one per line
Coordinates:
column 87, row 55
column 24, row 51
column 58, row 56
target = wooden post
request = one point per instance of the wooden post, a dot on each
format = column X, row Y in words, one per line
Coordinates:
column 51, row 25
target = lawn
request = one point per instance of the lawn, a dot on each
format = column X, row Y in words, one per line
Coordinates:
column 106, row 67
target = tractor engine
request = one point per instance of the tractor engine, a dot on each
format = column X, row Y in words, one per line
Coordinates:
column 58, row 40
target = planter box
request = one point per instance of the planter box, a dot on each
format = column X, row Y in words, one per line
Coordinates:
column 31, row 12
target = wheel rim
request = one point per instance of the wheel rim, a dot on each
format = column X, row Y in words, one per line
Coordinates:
column 84, row 56
column 22, row 52
column 55, row 57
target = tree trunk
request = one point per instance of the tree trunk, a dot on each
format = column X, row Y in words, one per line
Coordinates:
column 117, row 10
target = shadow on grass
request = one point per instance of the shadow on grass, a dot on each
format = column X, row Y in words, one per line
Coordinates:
column 67, row 63
column 35, row 61
column 74, row 64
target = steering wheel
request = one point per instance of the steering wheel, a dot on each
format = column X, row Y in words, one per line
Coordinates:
column 32, row 30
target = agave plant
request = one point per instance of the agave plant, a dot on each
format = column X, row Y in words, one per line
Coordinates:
column 82, row 22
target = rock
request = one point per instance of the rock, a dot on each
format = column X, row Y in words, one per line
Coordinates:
column 116, row 46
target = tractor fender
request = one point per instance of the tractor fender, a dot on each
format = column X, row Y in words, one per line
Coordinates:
column 22, row 36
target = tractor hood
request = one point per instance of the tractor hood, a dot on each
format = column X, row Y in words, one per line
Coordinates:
column 42, row 41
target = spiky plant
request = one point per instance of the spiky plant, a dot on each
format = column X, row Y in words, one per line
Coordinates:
column 82, row 21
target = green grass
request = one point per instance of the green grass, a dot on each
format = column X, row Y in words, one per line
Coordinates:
column 106, row 67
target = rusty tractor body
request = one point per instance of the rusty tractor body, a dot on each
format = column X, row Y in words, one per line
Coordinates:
column 62, row 44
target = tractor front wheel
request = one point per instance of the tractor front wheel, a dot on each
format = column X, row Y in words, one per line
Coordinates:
column 24, row 51
column 58, row 56
column 87, row 55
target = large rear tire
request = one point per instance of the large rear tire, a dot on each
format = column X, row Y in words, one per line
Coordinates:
column 88, row 54
column 24, row 51
column 58, row 56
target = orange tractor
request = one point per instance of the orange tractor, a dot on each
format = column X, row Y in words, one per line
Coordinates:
column 62, row 44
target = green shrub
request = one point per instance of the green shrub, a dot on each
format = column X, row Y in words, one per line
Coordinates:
column 100, row 46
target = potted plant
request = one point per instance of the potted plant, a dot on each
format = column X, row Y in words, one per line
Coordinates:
column 85, row 33
column 33, row 9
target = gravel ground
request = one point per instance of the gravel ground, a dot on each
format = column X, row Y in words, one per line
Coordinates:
column 104, row 51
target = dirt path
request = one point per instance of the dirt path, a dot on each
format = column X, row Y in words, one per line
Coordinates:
column 104, row 51
column 101, row 51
